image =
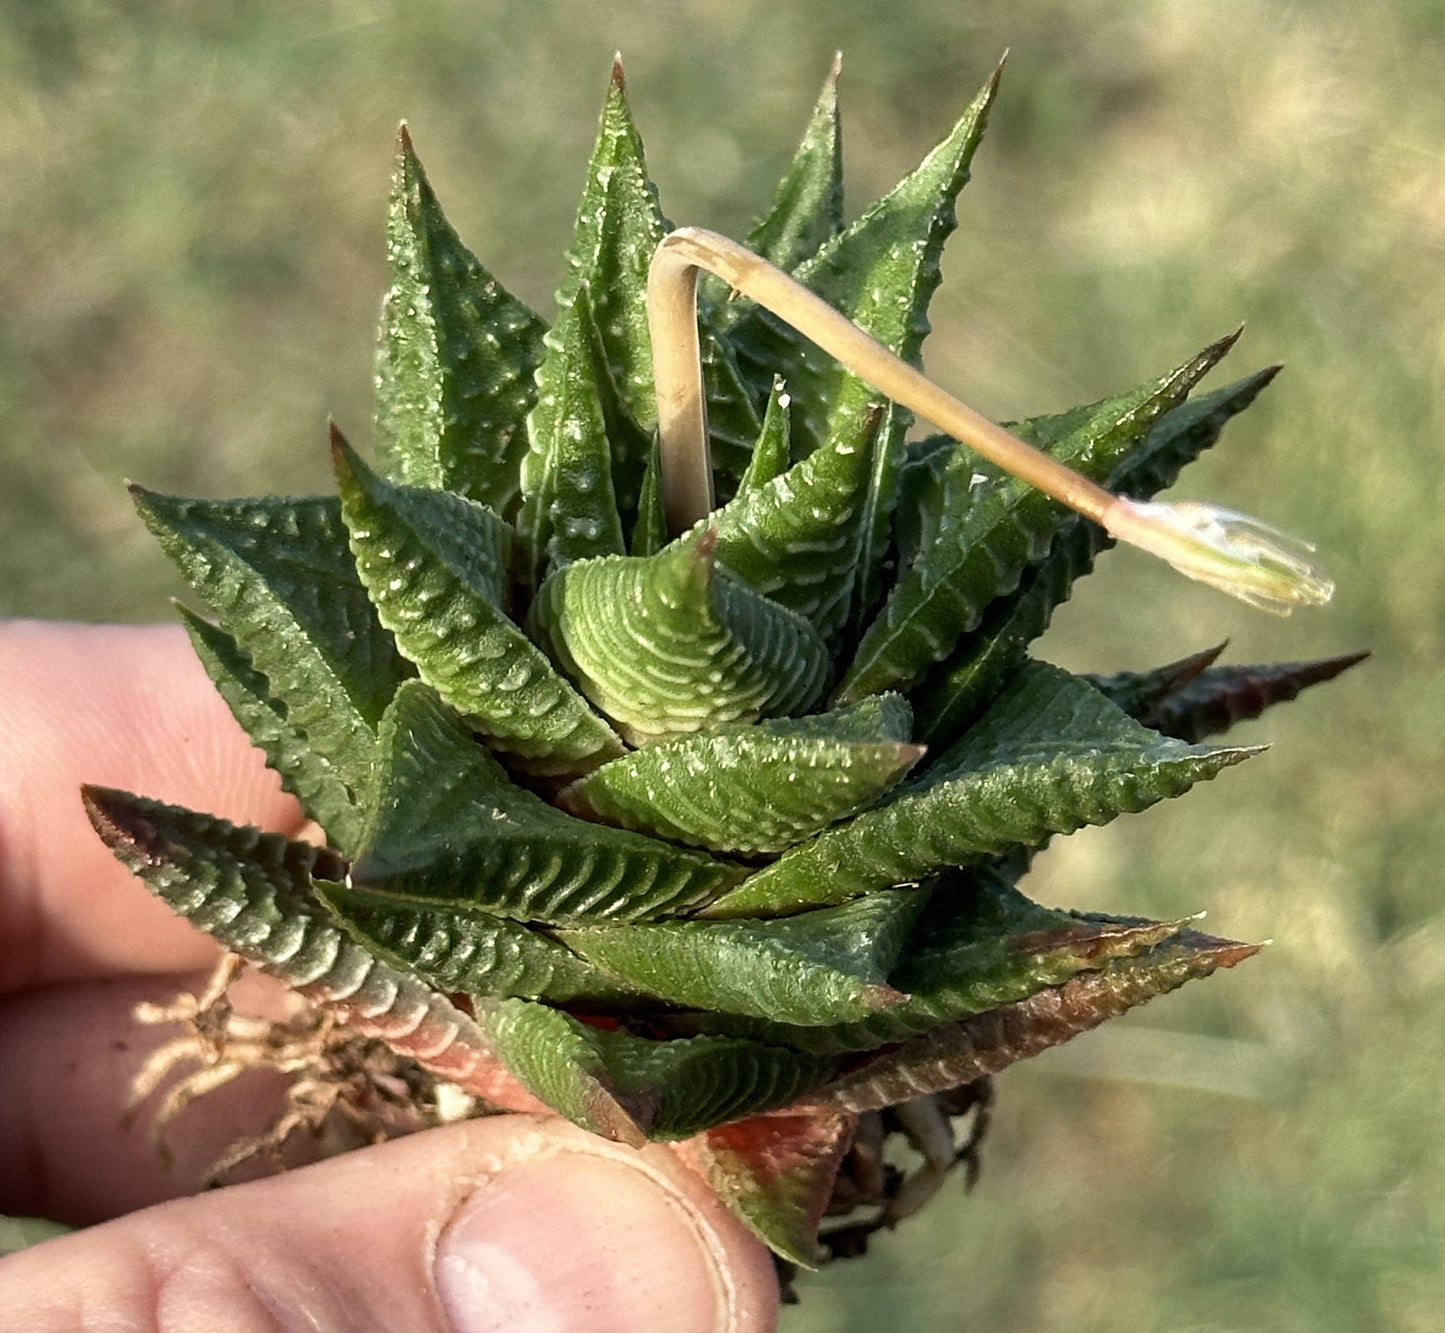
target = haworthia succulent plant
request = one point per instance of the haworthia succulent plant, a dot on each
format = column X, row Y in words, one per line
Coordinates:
column 711, row 835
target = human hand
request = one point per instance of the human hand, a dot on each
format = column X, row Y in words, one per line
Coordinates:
column 511, row 1222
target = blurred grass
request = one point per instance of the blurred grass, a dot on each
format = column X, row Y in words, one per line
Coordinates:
column 190, row 267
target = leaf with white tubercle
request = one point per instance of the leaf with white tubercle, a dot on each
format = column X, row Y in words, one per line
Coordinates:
column 881, row 272
column 1050, row 755
column 459, row 948
column 817, row 968
column 959, row 688
column 772, row 454
column 806, row 210
column 457, row 355
column 629, row 1087
column 754, row 788
column 437, row 568
column 978, row 944
column 305, row 773
column 255, row 893
column 668, row 644
column 991, row 527
column 958, row 1053
column 450, row 826
column 569, row 505
column 796, row 539
column 619, row 225
column 279, row 577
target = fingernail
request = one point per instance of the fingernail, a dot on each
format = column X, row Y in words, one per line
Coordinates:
column 574, row 1243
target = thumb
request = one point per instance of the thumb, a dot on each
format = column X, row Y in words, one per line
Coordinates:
column 515, row 1222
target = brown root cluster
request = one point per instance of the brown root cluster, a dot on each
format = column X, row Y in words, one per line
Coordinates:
column 344, row 1090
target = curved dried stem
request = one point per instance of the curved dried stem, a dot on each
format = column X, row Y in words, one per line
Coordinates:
column 1196, row 539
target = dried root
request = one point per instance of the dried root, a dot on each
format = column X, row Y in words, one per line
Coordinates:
column 344, row 1090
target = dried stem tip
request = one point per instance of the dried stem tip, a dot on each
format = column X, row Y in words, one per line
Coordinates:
column 1230, row 551
column 1216, row 546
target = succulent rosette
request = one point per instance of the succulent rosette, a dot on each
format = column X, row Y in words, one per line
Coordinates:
column 712, row 833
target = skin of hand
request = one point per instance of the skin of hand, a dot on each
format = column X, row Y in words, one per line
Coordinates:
column 512, row 1222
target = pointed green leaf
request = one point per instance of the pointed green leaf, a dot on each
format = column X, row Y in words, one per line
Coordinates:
column 625, row 1086
column 827, row 966
column 773, row 451
column 951, row 1056
column 979, row 944
column 619, row 225
column 667, row 645
column 754, row 787
column 569, row 508
column 562, row 1062
column 459, row 948
column 797, row 539
column 649, row 534
column 1050, row 755
column 280, row 579
column 311, row 778
column 450, row 827
column 258, row 895
column 1221, row 696
column 776, row 1173
column 454, row 370
column 881, row 272
column 437, row 567
column 252, row 891
column 993, row 526
column 807, row 204
column 697, row 1082
column 958, row 690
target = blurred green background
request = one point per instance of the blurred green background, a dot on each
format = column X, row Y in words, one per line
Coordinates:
column 190, row 265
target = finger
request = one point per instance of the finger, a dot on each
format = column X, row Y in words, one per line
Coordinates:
column 511, row 1223
column 70, row 1054
column 125, row 707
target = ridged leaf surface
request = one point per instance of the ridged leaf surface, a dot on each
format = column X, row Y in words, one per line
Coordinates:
column 757, row 788
column 1218, row 697
column 820, row 967
column 457, row 355
column 619, row 225
column 992, row 526
column 796, row 539
column 279, row 576
column 461, row 949
column 450, row 826
column 1050, row 755
column 959, row 688
column 569, row 507
column 667, row 645
column 978, row 945
column 627, row 1087
column 310, row 777
column 437, row 567
column 950, row 1056
column 806, row 210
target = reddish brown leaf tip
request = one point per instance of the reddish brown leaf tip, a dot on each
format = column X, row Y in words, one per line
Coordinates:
column 122, row 827
column 619, row 79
